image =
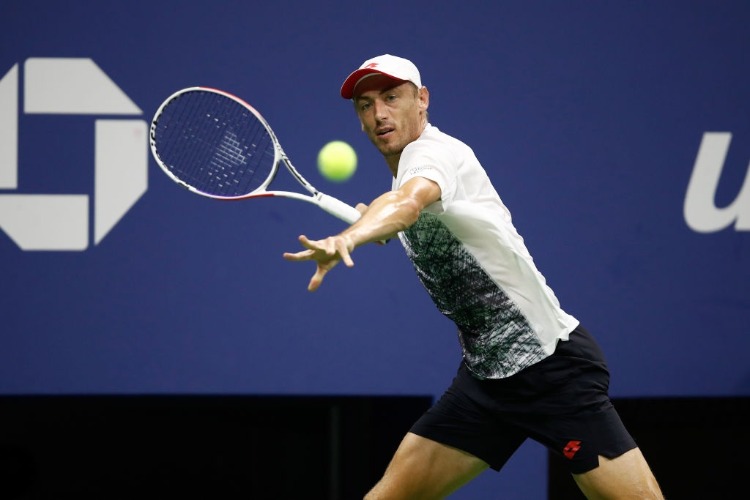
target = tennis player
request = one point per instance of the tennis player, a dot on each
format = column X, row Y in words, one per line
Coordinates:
column 529, row 369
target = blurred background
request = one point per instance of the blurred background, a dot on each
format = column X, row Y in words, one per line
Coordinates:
column 616, row 132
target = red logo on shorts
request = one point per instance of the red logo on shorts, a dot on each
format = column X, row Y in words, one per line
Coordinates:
column 571, row 449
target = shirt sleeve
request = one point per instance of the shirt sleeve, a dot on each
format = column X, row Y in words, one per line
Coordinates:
column 432, row 161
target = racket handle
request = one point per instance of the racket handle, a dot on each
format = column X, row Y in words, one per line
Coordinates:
column 343, row 211
column 338, row 208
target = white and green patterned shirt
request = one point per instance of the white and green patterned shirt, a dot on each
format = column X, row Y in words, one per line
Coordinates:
column 475, row 265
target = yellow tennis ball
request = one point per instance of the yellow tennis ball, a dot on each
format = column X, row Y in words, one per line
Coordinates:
column 337, row 161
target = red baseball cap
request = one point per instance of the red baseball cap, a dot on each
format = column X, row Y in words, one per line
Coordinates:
column 394, row 67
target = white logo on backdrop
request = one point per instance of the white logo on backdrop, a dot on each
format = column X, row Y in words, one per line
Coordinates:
column 701, row 213
column 70, row 86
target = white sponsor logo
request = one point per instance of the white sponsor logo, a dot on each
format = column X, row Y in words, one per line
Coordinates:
column 701, row 213
column 70, row 86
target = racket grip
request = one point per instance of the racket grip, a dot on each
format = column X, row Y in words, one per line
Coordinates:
column 338, row 208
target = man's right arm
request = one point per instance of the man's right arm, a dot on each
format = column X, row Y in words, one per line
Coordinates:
column 387, row 215
column 393, row 212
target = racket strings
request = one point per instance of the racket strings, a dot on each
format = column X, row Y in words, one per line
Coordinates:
column 215, row 144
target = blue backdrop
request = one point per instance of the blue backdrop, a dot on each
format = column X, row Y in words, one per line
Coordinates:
column 588, row 116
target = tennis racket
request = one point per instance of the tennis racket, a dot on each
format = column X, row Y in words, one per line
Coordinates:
column 217, row 145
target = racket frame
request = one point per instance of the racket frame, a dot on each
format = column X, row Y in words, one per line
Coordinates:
column 332, row 205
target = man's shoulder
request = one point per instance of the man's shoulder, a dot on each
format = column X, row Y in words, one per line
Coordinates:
column 435, row 139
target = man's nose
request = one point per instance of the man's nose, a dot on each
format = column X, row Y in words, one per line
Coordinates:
column 381, row 110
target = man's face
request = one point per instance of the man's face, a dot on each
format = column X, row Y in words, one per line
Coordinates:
column 392, row 113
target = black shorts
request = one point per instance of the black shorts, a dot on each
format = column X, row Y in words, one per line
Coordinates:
column 561, row 402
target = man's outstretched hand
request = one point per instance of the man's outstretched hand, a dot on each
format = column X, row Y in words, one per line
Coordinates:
column 326, row 253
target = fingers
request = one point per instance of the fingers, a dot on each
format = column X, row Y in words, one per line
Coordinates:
column 326, row 253
column 306, row 242
column 343, row 250
column 317, row 279
column 308, row 254
column 297, row 256
column 331, row 248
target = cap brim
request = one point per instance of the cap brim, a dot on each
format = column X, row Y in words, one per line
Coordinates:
column 347, row 89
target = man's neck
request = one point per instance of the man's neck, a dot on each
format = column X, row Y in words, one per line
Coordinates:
column 393, row 160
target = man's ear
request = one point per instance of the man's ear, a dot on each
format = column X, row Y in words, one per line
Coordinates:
column 424, row 98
